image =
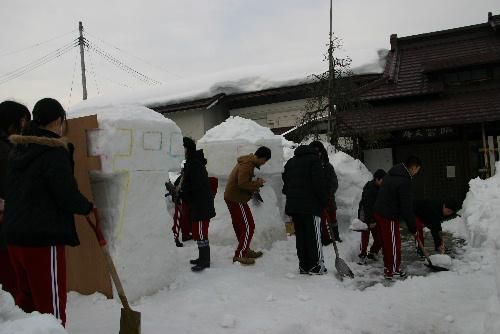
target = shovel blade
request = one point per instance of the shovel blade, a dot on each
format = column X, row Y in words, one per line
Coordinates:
column 342, row 268
column 436, row 268
column 130, row 322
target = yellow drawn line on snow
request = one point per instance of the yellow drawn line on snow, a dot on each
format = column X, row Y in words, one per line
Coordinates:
column 126, row 191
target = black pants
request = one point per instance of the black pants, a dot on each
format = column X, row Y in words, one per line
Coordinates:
column 308, row 241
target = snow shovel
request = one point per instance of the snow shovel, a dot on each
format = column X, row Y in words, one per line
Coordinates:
column 429, row 262
column 342, row 268
column 130, row 320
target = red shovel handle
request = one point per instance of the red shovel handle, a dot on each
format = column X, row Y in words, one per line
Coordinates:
column 97, row 228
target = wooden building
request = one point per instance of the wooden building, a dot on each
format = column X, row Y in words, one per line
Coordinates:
column 438, row 98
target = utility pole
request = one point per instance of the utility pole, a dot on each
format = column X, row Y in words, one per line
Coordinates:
column 82, row 56
column 331, row 77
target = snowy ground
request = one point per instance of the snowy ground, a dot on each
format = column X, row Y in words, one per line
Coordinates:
column 271, row 297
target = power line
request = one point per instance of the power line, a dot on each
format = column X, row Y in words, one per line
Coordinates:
column 36, row 63
column 121, row 65
column 92, row 67
column 142, row 77
column 134, row 56
column 36, row 45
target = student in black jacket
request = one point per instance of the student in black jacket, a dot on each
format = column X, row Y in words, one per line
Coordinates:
column 41, row 198
column 365, row 214
column 13, row 118
column 306, row 191
column 395, row 202
column 196, row 190
column 329, row 223
column 430, row 214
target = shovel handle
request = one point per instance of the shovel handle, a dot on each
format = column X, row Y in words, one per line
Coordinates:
column 97, row 228
column 109, row 261
column 421, row 246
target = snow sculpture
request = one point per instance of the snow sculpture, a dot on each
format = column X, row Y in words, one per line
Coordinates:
column 138, row 148
column 222, row 145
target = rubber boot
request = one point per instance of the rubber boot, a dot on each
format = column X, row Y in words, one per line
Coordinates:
column 204, row 259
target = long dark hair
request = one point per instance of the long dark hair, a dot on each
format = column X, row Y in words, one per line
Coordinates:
column 45, row 112
column 11, row 115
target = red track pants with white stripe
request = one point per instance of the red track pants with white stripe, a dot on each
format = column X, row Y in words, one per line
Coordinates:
column 365, row 240
column 391, row 243
column 243, row 225
column 200, row 230
column 41, row 279
column 420, row 229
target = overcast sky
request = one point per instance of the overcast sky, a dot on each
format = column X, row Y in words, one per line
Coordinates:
column 186, row 38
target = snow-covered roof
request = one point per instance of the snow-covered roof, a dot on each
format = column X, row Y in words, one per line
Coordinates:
column 240, row 80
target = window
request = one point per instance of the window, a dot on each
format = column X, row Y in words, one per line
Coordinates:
column 471, row 75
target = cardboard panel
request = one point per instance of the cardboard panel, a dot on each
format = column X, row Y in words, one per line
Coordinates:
column 86, row 269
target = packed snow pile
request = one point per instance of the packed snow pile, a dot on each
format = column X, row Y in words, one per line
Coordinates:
column 138, row 148
column 238, row 128
column 222, row 145
column 481, row 211
column 358, row 225
column 239, row 136
column 14, row 320
column 352, row 175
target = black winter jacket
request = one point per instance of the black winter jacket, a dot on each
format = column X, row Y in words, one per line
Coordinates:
column 41, row 192
column 333, row 184
column 196, row 188
column 368, row 198
column 304, row 183
column 395, row 197
column 431, row 214
column 5, row 147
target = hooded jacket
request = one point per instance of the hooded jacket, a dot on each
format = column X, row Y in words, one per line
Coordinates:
column 304, row 183
column 196, row 189
column 395, row 197
column 41, row 192
column 368, row 198
column 333, row 183
column 240, row 186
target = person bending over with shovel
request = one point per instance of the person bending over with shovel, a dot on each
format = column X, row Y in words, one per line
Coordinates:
column 365, row 214
column 430, row 214
column 395, row 201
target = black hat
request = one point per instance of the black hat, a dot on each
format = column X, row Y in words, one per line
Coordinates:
column 189, row 144
column 47, row 110
column 452, row 205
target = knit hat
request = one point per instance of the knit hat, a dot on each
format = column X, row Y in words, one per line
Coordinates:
column 47, row 110
column 189, row 144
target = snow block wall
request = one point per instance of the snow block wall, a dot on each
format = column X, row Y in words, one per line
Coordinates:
column 222, row 145
column 480, row 211
column 138, row 148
